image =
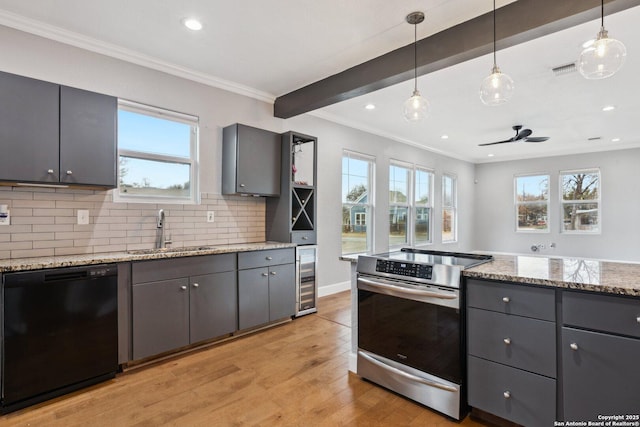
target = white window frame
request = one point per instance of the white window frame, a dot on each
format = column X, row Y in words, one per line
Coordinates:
column 370, row 205
column 194, row 194
column 428, row 205
column 453, row 207
column 597, row 201
column 517, row 203
column 408, row 204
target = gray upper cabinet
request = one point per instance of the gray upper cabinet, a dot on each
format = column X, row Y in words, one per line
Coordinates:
column 87, row 137
column 29, row 113
column 250, row 161
column 56, row 134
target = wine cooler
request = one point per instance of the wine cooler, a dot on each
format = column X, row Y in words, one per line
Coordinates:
column 307, row 279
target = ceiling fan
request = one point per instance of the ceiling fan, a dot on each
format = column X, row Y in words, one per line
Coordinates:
column 521, row 135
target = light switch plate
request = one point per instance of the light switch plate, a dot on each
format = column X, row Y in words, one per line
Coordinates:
column 83, row 217
column 210, row 216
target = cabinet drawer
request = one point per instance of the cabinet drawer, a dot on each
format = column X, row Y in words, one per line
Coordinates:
column 522, row 397
column 521, row 342
column 512, row 299
column 303, row 237
column 163, row 269
column 266, row 258
column 600, row 374
column 602, row 312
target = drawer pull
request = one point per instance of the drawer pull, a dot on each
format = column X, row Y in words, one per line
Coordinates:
column 269, row 258
column 273, row 273
column 50, row 171
column 264, row 274
column 638, row 319
column 306, row 238
column 183, row 288
column 507, row 341
column 507, row 394
column 195, row 285
column 505, row 299
column 69, row 172
column 573, row 346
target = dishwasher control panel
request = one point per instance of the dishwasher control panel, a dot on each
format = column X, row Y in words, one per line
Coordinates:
column 408, row 269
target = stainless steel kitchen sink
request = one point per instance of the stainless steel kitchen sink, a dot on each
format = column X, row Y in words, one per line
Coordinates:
column 168, row 250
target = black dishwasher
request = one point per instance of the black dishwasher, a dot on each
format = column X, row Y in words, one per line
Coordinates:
column 59, row 332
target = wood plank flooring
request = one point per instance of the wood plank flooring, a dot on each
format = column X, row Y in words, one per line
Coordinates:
column 295, row 374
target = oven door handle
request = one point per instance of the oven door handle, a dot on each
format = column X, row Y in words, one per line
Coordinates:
column 407, row 375
column 401, row 291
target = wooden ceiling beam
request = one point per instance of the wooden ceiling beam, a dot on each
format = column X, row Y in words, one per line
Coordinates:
column 516, row 23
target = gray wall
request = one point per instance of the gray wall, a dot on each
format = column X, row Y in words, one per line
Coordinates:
column 620, row 174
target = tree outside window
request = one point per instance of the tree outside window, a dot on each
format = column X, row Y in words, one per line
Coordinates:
column 532, row 203
column 580, row 201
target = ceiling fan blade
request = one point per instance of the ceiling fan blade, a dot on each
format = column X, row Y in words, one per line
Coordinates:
column 536, row 139
column 524, row 133
column 494, row 143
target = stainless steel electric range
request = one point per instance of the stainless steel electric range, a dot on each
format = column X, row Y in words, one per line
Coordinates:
column 410, row 326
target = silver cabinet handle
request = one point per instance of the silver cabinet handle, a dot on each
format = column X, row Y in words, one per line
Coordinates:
column 69, row 172
column 507, row 394
column 183, row 288
column 507, row 341
column 573, row 346
column 269, row 258
column 242, row 185
column 273, row 273
column 638, row 319
column 195, row 285
column 305, row 238
column 50, row 171
column 505, row 299
column 265, row 274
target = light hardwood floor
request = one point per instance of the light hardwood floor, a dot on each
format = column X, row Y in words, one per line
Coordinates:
column 295, row 374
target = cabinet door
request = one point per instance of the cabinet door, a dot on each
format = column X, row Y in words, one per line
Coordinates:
column 258, row 161
column 213, row 305
column 253, row 297
column 600, row 374
column 160, row 317
column 29, row 112
column 282, row 291
column 87, row 137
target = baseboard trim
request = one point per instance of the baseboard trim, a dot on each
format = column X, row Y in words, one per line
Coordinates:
column 323, row 291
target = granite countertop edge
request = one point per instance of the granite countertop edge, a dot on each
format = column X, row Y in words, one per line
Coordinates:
column 25, row 264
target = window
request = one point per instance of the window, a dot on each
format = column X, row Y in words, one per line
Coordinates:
column 580, row 201
column 532, row 203
column 357, row 202
column 449, row 211
column 157, row 155
column 423, row 189
column 399, row 198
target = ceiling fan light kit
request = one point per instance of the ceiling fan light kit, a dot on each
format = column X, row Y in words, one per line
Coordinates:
column 498, row 87
column 415, row 108
column 604, row 57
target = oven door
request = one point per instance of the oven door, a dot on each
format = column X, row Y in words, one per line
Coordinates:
column 416, row 326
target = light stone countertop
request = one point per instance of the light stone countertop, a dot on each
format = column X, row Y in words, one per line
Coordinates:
column 23, row 264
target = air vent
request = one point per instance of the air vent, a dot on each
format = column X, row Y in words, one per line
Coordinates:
column 565, row 69
column 594, row 138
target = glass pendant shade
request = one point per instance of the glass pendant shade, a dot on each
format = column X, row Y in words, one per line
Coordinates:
column 497, row 88
column 416, row 108
column 603, row 58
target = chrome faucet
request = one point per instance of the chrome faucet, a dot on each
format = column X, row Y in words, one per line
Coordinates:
column 161, row 242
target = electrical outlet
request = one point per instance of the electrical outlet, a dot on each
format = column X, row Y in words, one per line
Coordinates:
column 83, row 217
column 210, row 216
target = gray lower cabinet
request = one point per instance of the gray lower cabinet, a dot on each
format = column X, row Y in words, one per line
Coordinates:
column 600, row 353
column 511, row 339
column 56, row 134
column 267, row 291
column 196, row 302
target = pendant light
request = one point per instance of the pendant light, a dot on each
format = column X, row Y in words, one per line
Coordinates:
column 416, row 108
column 602, row 57
column 497, row 88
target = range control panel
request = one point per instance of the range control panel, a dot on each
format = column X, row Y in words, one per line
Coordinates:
column 400, row 268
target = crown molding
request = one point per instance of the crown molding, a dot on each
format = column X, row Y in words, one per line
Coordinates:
column 58, row 34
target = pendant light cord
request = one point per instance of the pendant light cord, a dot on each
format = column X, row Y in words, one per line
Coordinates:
column 601, row 13
column 415, row 57
column 494, row 34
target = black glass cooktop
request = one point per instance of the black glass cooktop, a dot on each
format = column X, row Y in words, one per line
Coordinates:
column 464, row 260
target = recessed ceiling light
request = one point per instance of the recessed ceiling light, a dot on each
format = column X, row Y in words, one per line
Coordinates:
column 192, row 24
column 490, row 155
column 615, row 140
column 608, row 108
column 370, row 106
column 444, row 137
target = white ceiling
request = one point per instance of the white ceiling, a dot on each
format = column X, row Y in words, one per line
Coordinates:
column 268, row 48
